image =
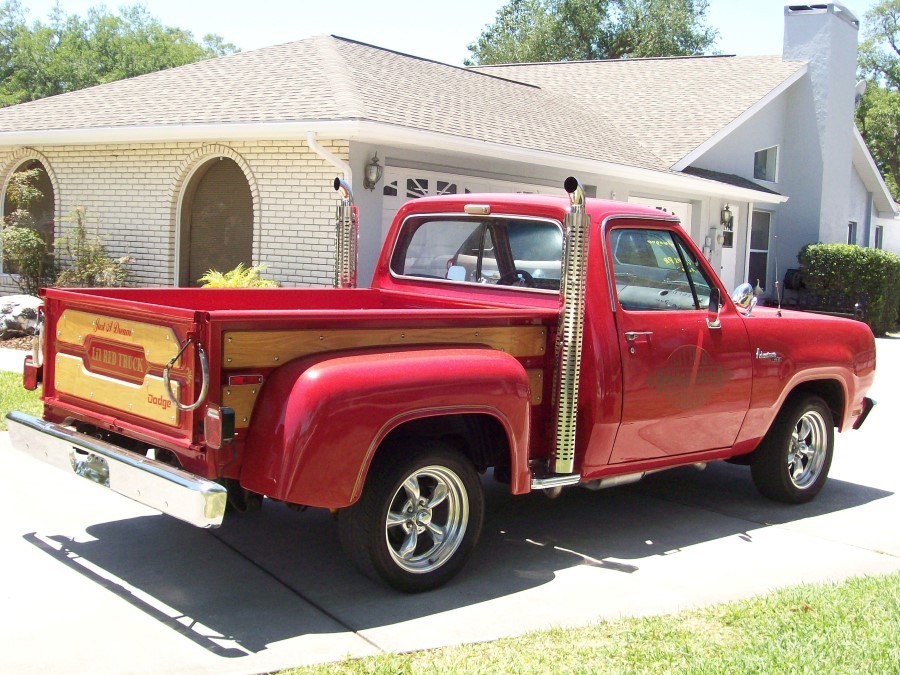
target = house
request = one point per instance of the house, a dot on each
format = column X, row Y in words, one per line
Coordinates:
column 231, row 160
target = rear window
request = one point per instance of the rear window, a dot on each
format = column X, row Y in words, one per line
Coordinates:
column 525, row 253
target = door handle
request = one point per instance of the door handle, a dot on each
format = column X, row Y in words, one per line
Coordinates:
column 632, row 335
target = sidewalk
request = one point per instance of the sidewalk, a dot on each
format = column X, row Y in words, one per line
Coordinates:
column 12, row 359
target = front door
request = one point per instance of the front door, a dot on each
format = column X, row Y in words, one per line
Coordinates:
column 686, row 384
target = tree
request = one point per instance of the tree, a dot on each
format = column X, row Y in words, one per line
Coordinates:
column 69, row 53
column 527, row 31
column 878, row 115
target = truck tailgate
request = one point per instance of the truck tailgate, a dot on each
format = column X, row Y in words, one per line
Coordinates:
column 105, row 363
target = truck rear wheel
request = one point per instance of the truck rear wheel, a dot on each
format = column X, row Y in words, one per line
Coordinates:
column 418, row 519
column 792, row 461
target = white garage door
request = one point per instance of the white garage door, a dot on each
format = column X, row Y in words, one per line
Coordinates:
column 401, row 185
column 680, row 209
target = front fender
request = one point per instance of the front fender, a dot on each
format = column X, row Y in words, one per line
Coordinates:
column 319, row 420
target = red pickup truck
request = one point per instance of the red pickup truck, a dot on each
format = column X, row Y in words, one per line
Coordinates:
column 556, row 342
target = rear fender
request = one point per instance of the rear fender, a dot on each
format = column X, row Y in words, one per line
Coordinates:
column 319, row 420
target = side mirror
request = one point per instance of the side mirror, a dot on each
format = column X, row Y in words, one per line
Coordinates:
column 744, row 297
column 712, row 310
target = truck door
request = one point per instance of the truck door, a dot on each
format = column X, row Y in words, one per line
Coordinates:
column 686, row 384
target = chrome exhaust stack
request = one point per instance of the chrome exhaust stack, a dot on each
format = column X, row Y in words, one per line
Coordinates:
column 570, row 334
column 346, row 254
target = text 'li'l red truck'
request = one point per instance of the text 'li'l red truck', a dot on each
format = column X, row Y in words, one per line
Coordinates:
column 554, row 341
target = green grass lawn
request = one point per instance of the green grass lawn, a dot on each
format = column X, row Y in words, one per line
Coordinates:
column 14, row 397
column 850, row 627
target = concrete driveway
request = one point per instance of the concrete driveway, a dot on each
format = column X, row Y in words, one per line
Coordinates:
column 94, row 583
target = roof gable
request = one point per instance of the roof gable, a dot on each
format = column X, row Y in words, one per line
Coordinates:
column 673, row 105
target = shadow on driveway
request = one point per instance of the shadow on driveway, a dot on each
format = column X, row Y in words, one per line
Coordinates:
column 251, row 583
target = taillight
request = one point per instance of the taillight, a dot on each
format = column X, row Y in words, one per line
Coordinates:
column 218, row 426
column 31, row 374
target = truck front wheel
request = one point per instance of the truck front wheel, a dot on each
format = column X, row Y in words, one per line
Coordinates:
column 418, row 519
column 792, row 461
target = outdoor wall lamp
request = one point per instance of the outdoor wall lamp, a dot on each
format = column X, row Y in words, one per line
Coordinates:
column 374, row 170
column 727, row 218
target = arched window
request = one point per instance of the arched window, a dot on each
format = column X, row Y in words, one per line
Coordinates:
column 216, row 221
column 33, row 207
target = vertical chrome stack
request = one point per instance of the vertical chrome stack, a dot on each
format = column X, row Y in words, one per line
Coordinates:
column 571, row 326
column 347, row 236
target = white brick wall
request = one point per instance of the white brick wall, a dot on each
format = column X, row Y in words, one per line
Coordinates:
column 131, row 195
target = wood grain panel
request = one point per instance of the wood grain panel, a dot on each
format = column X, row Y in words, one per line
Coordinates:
column 536, row 380
column 158, row 342
column 147, row 400
column 264, row 349
column 242, row 398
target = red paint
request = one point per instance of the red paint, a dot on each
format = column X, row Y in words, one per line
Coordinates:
column 687, row 392
column 121, row 361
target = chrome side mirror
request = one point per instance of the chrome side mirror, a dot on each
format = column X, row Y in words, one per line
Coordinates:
column 744, row 297
column 712, row 310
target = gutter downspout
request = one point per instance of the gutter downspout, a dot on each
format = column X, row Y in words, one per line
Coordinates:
column 313, row 144
column 347, row 219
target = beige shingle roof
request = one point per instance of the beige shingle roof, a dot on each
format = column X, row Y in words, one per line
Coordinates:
column 672, row 104
column 644, row 113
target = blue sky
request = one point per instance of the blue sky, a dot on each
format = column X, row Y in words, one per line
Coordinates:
column 434, row 30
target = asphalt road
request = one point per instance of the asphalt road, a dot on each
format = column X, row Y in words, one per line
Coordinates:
column 95, row 583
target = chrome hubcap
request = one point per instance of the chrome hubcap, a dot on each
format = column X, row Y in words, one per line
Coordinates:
column 426, row 520
column 809, row 446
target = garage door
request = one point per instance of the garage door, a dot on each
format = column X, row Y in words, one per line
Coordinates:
column 401, row 185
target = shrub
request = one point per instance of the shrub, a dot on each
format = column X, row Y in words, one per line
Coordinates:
column 866, row 274
column 88, row 263
column 27, row 254
column 240, row 277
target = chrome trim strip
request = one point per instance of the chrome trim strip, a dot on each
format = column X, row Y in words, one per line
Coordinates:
column 178, row 493
column 555, row 481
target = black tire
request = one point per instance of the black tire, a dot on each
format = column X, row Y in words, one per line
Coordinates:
column 413, row 494
column 791, row 463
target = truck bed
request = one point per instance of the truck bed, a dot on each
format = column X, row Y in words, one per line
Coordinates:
column 112, row 349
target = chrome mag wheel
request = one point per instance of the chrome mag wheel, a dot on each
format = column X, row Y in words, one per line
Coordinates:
column 809, row 447
column 426, row 520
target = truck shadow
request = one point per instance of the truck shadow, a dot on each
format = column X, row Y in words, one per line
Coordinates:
column 277, row 574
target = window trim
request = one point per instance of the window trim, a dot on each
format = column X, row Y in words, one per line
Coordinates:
column 777, row 149
column 456, row 215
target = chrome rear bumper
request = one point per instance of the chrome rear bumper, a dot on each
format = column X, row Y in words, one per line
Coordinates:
column 178, row 493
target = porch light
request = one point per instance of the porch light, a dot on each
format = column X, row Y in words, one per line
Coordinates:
column 373, row 173
column 727, row 218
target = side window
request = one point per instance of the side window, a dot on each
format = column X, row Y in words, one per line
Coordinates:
column 655, row 271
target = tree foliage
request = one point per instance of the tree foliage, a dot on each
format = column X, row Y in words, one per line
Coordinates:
column 26, row 254
column 878, row 115
column 69, row 52
column 527, row 31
